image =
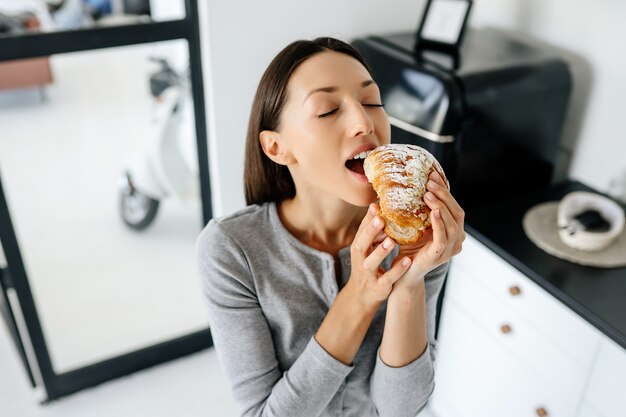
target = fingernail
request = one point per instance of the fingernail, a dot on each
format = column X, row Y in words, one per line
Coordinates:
column 377, row 222
column 432, row 184
column 406, row 262
column 387, row 243
column 430, row 196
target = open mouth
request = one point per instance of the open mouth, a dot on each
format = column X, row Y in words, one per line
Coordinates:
column 356, row 163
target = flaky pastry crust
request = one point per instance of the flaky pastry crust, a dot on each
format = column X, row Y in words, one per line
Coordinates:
column 399, row 174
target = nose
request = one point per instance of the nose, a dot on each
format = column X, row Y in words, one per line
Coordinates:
column 360, row 121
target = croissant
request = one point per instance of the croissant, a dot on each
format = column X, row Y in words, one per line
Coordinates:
column 399, row 174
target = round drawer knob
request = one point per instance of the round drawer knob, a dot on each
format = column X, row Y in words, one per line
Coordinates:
column 541, row 412
column 515, row 290
column 505, row 328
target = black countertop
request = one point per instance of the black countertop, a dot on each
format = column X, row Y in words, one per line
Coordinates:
column 596, row 294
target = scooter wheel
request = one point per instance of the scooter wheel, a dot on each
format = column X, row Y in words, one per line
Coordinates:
column 137, row 210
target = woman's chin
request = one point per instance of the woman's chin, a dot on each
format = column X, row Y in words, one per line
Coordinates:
column 361, row 199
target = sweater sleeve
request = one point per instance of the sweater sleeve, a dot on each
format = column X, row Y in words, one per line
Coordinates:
column 242, row 339
column 404, row 391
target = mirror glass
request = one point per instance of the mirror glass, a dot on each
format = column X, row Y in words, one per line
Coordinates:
column 98, row 160
column 18, row 17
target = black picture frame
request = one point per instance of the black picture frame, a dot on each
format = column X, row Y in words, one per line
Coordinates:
column 425, row 42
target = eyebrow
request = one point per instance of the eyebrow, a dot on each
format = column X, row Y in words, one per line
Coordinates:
column 333, row 89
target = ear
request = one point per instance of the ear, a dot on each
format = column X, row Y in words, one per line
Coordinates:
column 275, row 148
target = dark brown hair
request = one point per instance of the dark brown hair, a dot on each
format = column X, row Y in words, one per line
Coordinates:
column 265, row 180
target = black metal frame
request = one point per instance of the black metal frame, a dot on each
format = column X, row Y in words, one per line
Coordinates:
column 9, row 317
column 424, row 43
column 44, row 44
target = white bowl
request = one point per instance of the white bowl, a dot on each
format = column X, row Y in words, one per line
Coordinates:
column 570, row 230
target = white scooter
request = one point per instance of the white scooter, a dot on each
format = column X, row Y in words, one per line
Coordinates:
column 161, row 170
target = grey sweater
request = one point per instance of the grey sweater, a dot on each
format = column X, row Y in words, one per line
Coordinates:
column 267, row 294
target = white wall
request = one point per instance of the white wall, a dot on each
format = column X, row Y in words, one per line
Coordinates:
column 241, row 37
column 595, row 32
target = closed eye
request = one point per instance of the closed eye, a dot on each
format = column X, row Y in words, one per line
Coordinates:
column 321, row 116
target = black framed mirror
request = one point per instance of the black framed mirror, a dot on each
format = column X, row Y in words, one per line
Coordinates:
column 96, row 282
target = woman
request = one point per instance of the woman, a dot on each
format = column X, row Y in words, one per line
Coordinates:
column 314, row 311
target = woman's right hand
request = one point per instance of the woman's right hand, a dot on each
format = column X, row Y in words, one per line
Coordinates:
column 373, row 284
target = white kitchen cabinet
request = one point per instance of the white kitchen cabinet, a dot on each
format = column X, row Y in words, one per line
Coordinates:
column 588, row 411
column 575, row 336
column 507, row 347
column 607, row 385
column 523, row 341
column 477, row 376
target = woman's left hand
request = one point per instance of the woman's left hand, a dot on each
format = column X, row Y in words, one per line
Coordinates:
column 439, row 243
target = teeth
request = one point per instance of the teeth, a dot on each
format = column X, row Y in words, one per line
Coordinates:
column 362, row 155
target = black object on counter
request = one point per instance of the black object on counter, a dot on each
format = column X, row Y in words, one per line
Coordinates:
column 592, row 221
column 493, row 118
column 596, row 294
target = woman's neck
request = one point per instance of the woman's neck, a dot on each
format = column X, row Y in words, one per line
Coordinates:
column 324, row 223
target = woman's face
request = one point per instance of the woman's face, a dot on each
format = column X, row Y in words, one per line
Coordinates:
column 331, row 115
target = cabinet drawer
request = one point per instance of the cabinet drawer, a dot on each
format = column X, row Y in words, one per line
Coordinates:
column 548, row 315
column 476, row 376
column 607, row 384
column 516, row 334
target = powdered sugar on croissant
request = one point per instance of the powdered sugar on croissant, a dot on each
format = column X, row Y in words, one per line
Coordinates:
column 399, row 174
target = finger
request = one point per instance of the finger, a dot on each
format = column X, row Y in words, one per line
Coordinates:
column 396, row 271
column 372, row 211
column 372, row 262
column 452, row 228
column 435, row 176
column 436, row 187
column 433, row 201
column 365, row 236
column 444, row 195
column 380, row 237
column 440, row 238
column 438, row 227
